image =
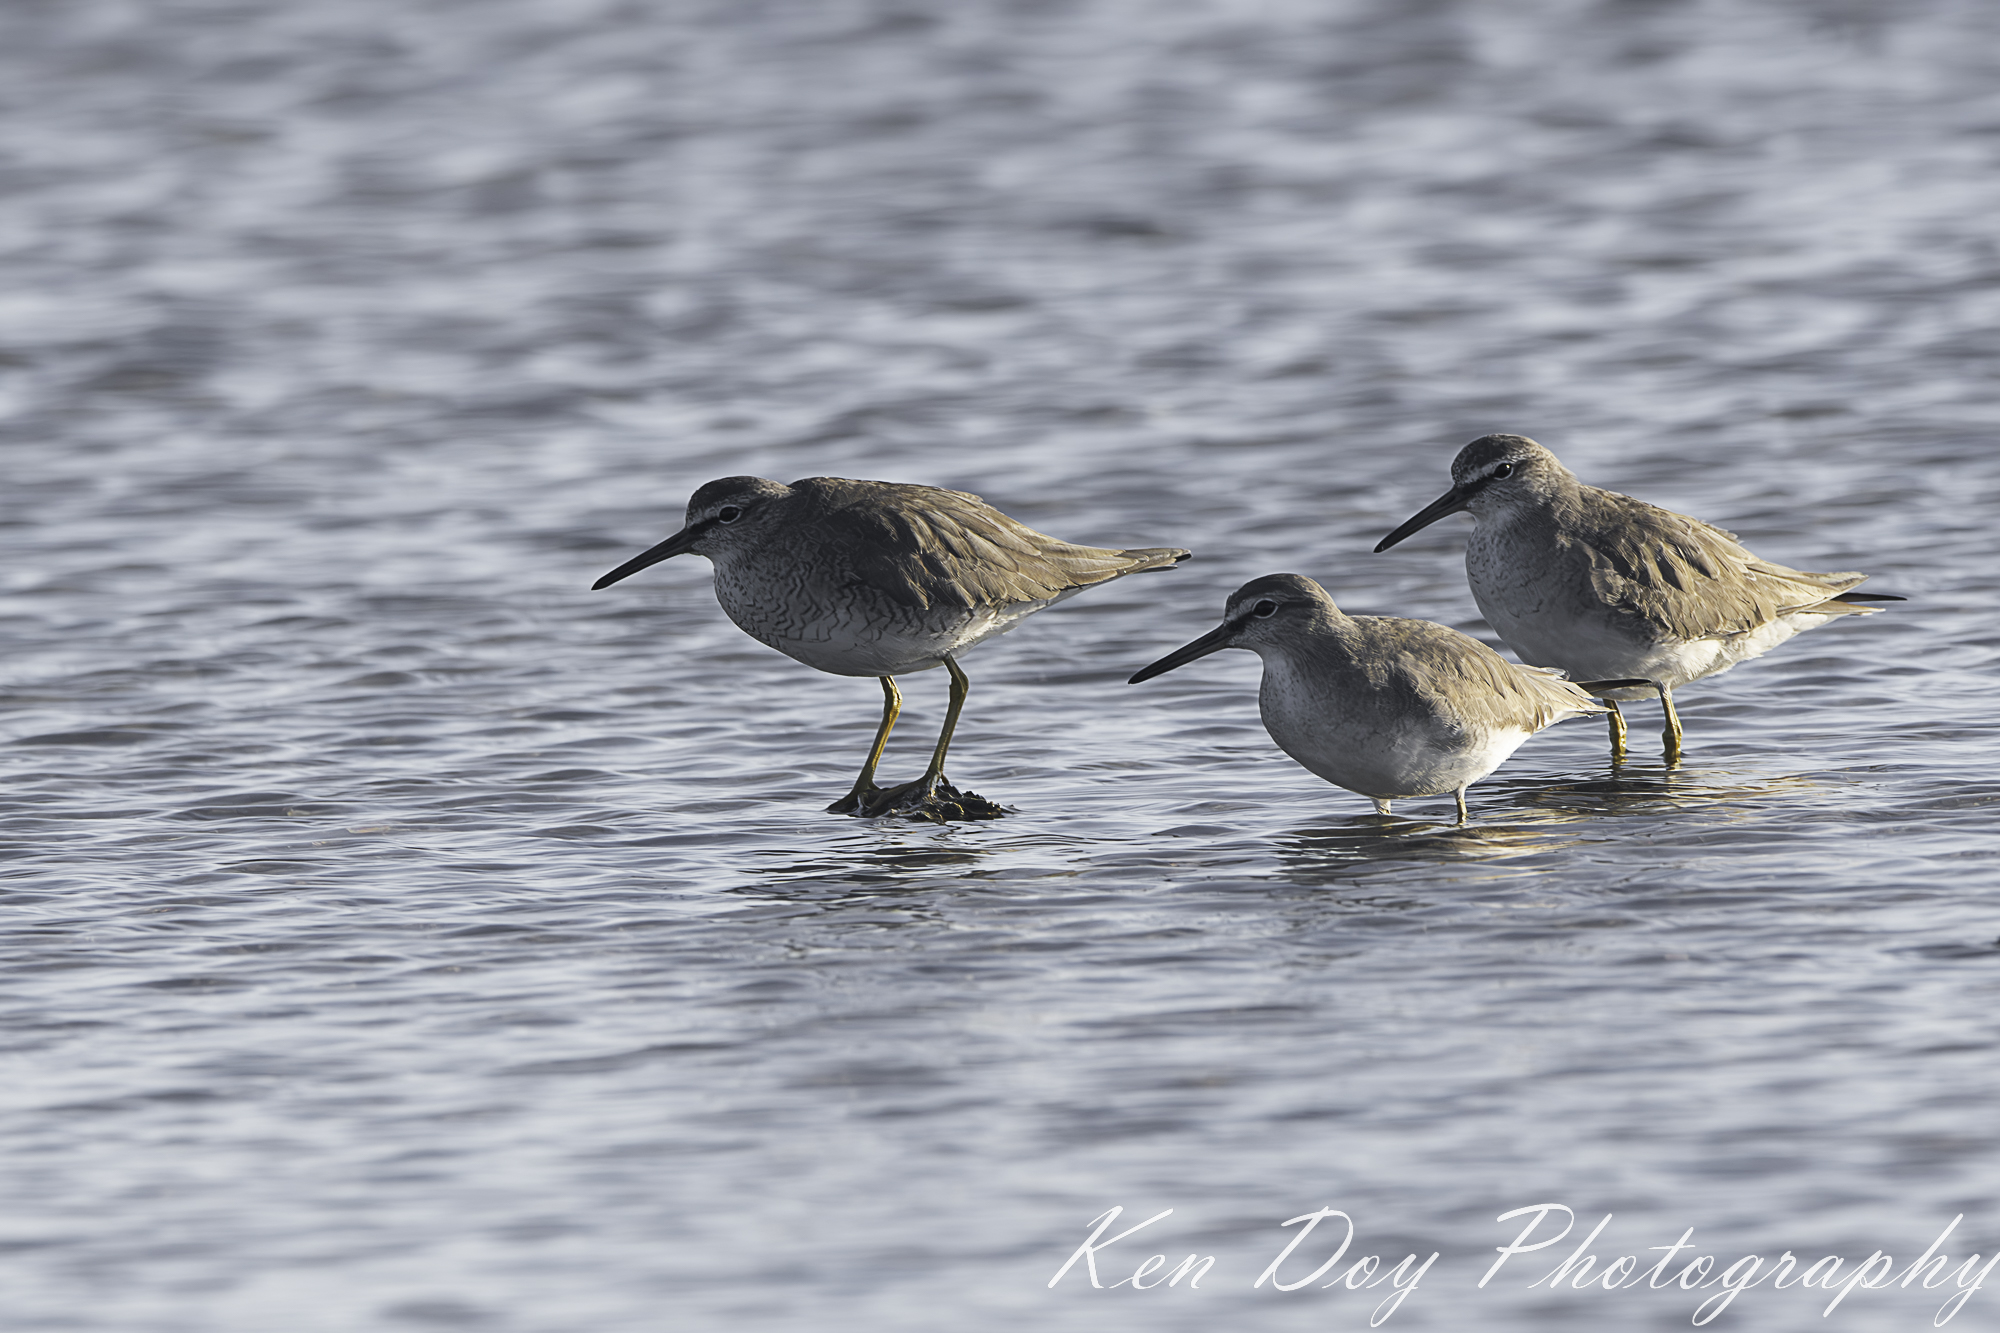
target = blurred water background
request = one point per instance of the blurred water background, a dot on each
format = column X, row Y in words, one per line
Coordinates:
column 399, row 935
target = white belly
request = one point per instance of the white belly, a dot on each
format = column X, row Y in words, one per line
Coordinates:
column 1360, row 742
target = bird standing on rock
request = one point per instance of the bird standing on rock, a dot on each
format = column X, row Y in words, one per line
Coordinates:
column 876, row 578
column 1598, row 584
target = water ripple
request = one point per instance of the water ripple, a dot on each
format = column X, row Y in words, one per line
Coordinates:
column 399, row 934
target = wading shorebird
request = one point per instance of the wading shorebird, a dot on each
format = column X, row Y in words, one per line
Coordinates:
column 1597, row 584
column 1385, row 707
column 876, row 578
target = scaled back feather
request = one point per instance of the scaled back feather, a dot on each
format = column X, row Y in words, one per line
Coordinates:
column 1459, row 675
column 1685, row 579
column 967, row 553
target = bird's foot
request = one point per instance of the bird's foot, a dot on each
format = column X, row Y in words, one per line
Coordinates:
column 932, row 798
column 852, row 803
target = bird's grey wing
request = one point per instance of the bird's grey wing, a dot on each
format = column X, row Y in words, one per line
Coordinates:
column 1678, row 579
column 1461, row 677
column 947, row 548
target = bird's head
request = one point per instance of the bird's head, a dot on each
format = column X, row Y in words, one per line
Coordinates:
column 1257, row 616
column 724, row 516
column 1493, row 472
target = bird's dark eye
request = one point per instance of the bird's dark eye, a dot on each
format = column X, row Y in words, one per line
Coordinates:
column 1504, row 470
column 729, row 513
column 1265, row 608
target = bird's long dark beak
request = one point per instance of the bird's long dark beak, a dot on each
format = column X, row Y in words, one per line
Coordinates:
column 1452, row 501
column 1213, row 641
column 666, row 550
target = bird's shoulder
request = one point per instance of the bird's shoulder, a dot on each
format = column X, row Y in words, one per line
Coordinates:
column 926, row 546
column 1425, row 655
column 1680, row 578
column 1461, row 677
column 1648, row 544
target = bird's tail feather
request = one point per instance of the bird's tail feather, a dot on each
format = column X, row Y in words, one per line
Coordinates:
column 1156, row 557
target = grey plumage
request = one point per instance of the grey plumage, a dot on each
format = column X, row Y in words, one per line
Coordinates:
column 876, row 578
column 911, row 572
column 1599, row 584
column 1382, row 706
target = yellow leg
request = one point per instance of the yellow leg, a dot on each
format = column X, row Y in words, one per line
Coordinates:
column 1671, row 732
column 923, row 798
column 960, row 687
column 1381, row 804
column 1617, row 720
column 864, row 786
column 1459, row 796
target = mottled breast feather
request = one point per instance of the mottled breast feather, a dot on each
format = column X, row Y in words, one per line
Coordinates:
column 1682, row 579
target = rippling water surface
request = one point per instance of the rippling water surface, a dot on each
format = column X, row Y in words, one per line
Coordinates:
column 398, row 934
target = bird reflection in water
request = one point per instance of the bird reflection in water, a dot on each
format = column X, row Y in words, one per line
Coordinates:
column 1626, row 791
column 1378, row 838
column 1546, row 817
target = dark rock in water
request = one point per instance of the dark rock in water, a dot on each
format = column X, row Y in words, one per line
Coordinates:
column 943, row 804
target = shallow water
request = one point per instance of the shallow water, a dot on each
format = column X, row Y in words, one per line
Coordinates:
column 399, row 934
